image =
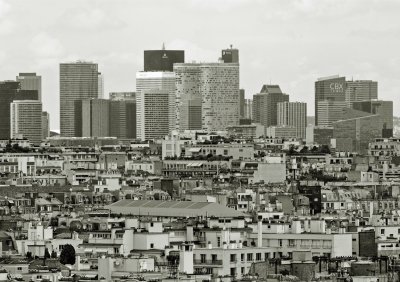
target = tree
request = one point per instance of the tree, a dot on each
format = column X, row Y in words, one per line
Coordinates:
column 75, row 226
column 46, row 253
column 325, row 149
column 67, row 255
column 46, row 256
column 53, row 254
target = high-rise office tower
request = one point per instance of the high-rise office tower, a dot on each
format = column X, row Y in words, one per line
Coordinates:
column 78, row 81
column 9, row 92
column 207, row 93
column 123, row 119
column 153, row 106
column 242, row 102
column 100, row 86
column 230, row 55
column 355, row 130
column 155, row 80
column 248, row 109
column 92, row 117
column 30, row 81
column 265, row 105
column 123, row 115
column 162, row 60
column 123, row 96
column 188, row 97
column 45, row 125
column 329, row 112
column 329, row 93
column 360, row 90
column 158, row 80
column 293, row 114
column 382, row 108
column 26, row 120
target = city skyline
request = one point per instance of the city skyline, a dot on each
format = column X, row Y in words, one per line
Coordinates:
column 352, row 38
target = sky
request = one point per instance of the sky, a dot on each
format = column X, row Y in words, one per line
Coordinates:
column 290, row 43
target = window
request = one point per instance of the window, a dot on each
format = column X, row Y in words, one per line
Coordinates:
column 213, row 257
column 152, row 246
column 242, row 270
column 202, row 258
column 249, row 257
column 241, row 257
column 219, row 241
column 233, row 258
column 19, row 268
column 233, row 271
column 258, row 256
column 382, row 231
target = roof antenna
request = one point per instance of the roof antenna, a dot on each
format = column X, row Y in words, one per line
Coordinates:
column 163, row 46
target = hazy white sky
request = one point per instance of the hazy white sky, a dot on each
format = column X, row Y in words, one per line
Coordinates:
column 290, row 43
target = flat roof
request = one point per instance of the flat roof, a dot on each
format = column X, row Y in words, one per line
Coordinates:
column 172, row 208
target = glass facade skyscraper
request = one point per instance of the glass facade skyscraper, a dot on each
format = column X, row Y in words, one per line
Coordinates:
column 78, row 81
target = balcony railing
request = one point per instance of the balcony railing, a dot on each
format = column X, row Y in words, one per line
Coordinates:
column 208, row 262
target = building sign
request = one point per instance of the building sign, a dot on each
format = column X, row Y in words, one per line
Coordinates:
column 336, row 87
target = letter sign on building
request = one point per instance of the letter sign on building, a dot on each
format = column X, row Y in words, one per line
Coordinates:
column 336, row 87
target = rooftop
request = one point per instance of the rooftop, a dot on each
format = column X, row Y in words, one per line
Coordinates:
column 172, row 208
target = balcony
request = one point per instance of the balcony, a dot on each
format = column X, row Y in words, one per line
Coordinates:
column 207, row 262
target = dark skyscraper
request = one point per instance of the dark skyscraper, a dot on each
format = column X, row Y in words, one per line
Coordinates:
column 242, row 102
column 265, row 105
column 382, row 108
column 162, row 60
column 10, row 91
column 361, row 90
column 92, row 118
column 78, row 81
column 123, row 119
column 31, row 81
column 230, row 55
